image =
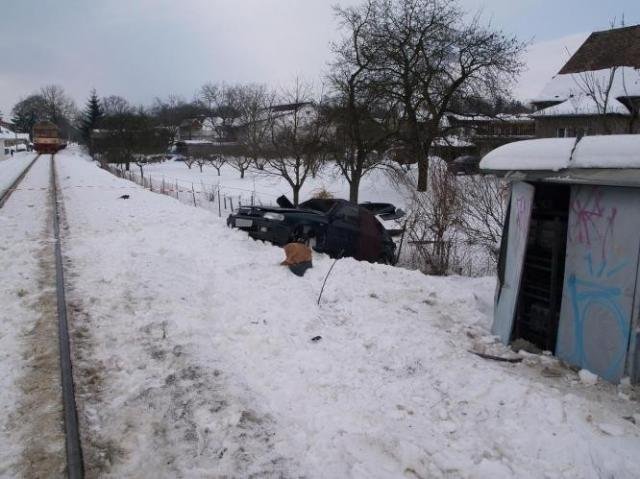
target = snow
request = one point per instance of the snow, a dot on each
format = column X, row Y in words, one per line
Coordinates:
column 543, row 154
column 30, row 408
column 543, row 60
column 12, row 167
column 587, row 377
column 554, row 154
column 266, row 188
column 194, row 358
column 574, row 91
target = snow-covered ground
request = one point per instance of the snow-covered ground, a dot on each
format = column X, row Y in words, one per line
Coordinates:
column 265, row 188
column 31, row 434
column 12, row 167
column 194, row 357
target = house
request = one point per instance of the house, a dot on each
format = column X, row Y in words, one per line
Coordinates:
column 568, row 276
column 13, row 141
column 212, row 129
column 479, row 134
column 597, row 91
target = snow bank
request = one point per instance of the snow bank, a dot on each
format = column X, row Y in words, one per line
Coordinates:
column 553, row 154
column 196, row 359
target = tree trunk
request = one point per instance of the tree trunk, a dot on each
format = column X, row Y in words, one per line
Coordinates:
column 126, row 166
column 241, row 173
column 354, row 188
column 296, row 195
column 423, row 173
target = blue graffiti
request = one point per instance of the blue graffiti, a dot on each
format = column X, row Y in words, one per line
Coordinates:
column 586, row 294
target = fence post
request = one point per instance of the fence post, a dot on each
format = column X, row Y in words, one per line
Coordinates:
column 219, row 206
column 231, row 203
column 177, row 191
column 193, row 192
column 150, row 182
column 163, row 190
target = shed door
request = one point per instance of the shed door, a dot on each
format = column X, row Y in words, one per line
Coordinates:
column 517, row 233
column 600, row 279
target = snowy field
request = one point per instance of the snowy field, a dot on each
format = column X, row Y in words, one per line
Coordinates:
column 265, row 188
column 194, row 358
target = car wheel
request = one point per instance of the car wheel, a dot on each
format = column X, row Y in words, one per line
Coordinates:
column 385, row 258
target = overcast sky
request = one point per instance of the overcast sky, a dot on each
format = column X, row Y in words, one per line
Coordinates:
column 141, row 49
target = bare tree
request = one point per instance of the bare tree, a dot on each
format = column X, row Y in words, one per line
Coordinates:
column 296, row 134
column 604, row 87
column 201, row 160
column 433, row 225
column 254, row 103
column 209, row 94
column 217, row 161
column 423, row 54
column 58, row 105
column 189, row 160
column 116, row 105
column 483, row 204
column 361, row 123
column 240, row 162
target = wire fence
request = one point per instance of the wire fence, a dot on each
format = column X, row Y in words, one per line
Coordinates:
column 211, row 197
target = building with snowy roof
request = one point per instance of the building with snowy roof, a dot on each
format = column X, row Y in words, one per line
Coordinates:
column 476, row 134
column 13, row 141
column 597, row 92
column 568, row 275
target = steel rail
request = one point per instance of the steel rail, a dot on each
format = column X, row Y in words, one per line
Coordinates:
column 75, row 466
column 4, row 196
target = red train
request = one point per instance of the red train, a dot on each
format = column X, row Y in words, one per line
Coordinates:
column 46, row 138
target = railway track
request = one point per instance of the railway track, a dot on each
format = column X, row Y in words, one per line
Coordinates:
column 74, row 462
column 4, row 195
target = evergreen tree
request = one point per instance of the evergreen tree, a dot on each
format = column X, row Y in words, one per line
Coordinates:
column 91, row 117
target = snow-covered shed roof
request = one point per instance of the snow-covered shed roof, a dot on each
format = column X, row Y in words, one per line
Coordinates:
column 555, row 154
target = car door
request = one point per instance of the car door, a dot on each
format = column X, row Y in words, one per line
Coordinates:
column 370, row 237
column 343, row 231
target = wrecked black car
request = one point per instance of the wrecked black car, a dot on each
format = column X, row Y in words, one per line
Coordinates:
column 333, row 226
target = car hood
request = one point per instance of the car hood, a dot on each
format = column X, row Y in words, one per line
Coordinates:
column 276, row 209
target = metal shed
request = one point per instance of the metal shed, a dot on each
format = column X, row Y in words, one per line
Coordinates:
column 568, row 274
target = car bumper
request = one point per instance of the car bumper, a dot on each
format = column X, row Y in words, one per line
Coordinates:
column 261, row 229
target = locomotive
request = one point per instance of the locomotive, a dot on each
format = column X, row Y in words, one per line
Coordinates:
column 46, row 138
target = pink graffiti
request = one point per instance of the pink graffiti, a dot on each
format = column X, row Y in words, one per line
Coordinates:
column 593, row 223
column 522, row 218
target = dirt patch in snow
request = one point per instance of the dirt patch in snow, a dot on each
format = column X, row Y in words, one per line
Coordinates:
column 99, row 452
